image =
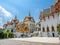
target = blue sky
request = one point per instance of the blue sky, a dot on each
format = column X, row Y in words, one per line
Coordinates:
column 21, row 8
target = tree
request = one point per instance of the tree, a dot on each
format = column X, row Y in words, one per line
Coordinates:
column 58, row 29
column 5, row 35
column 11, row 35
column 8, row 34
column 1, row 34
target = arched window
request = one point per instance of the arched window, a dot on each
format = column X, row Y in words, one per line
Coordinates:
column 43, row 29
column 52, row 28
column 47, row 29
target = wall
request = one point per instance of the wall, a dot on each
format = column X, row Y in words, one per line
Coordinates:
column 51, row 21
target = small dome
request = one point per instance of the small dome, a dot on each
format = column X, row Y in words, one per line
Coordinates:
column 28, row 18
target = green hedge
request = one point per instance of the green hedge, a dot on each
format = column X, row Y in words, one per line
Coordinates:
column 1, row 34
column 11, row 35
column 6, row 34
column 58, row 29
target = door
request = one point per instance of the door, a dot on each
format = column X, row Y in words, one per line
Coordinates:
column 53, row 35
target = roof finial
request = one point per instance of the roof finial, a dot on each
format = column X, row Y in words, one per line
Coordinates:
column 29, row 13
column 15, row 17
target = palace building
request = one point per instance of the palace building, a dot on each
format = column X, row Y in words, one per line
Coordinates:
column 21, row 29
column 26, row 27
column 49, row 19
column 46, row 27
column 11, row 25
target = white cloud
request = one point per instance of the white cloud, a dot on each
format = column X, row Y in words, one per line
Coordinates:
column 1, row 23
column 0, row 19
column 4, row 12
column 4, row 16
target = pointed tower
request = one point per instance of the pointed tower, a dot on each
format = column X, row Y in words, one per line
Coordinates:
column 29, row 18
column 15, row 17
column 15, row 20
column 29, row 14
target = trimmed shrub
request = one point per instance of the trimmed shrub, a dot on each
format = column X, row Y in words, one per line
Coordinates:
column 11, row 35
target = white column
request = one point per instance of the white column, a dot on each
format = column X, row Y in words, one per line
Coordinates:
column 41, row 31
column 39, row 34
column 46, row 34
column 59, row 16
column 55, row 29
column 50, row 33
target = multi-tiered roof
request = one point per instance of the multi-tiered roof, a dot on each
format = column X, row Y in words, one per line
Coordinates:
column 29, row 18
column 50, row 11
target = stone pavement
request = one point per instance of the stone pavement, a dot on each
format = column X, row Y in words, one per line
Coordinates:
column 25, row 41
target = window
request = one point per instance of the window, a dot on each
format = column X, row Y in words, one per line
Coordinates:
column 39, row 29
column 52, row 28
column 31, row 25
column 47, row 29
column 53, row 34
column 31, row 31
column 43, row 29
column 11, row 30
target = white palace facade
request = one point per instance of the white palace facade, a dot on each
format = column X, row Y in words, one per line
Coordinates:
column 46, row 27
column 49, row 19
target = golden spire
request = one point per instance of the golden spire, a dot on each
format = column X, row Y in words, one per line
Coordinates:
column 15, row 17
column 29, row 14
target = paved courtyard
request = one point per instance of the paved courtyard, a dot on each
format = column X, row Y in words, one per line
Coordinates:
column 30, row 41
